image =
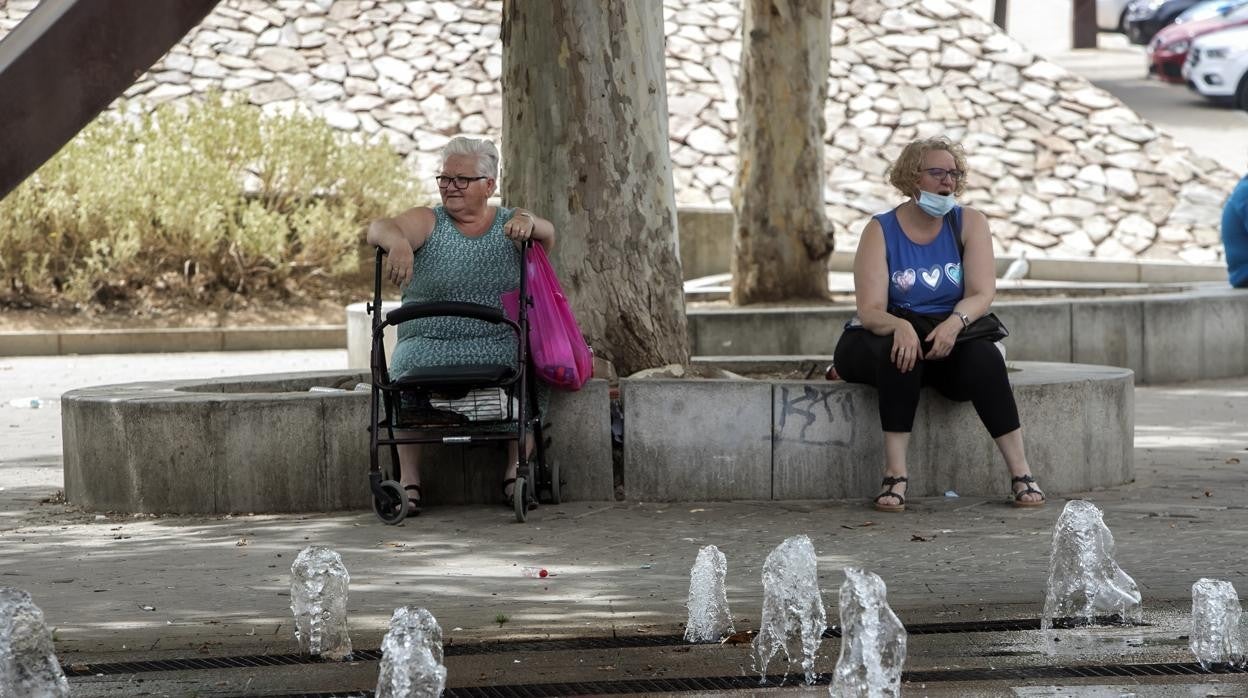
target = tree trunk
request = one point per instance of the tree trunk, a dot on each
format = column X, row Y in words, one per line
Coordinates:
column 781, row 238
column 585, row 144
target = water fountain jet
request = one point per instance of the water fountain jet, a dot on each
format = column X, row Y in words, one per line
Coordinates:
column 709, row 618
column 318, row 597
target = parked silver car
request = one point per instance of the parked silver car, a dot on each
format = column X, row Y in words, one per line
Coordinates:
column 1111, row 15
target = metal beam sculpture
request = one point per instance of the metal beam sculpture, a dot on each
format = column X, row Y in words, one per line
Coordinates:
column 68, row 60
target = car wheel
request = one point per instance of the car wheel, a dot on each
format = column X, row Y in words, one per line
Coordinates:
column 1122, row 22
column 1241, row 93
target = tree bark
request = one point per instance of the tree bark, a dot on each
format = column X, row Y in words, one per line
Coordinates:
column 781, row 237
column 585, row 144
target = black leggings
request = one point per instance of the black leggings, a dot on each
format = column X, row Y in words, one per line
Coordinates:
column 974, row 370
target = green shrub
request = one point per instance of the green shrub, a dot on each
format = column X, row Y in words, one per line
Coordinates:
column 211, row 194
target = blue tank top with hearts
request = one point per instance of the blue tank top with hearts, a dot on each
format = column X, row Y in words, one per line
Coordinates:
column 925, row 279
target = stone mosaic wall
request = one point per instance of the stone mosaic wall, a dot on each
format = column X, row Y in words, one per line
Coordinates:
column 1061, row 167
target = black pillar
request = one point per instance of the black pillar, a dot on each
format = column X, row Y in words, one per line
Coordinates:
column 1000, row 12
column 1084, row 19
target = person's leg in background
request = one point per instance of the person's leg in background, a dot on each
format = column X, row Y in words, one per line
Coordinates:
column 409, row 471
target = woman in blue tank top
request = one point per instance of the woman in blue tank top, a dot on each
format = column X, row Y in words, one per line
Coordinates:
column 929, row 257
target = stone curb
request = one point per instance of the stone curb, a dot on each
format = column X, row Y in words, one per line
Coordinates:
column 171, row 340
column 1198, row 333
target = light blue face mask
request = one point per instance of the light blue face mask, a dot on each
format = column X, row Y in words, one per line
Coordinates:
column 936, row 205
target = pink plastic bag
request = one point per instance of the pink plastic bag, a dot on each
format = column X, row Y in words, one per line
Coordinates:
column 558, row 349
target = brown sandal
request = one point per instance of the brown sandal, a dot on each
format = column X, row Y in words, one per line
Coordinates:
column 890, row 482
column 1027, row 481
column 413, row 505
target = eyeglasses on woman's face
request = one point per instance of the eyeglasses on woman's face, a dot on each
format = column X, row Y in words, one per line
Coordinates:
column 939, row 173
column 459, row 182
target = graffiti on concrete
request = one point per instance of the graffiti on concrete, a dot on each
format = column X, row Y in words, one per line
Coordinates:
column 815, row 416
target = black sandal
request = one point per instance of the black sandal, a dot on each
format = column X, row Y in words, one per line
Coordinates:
column 1027, row 481
column 890, row 482
column 507, row 498
column 413, row 505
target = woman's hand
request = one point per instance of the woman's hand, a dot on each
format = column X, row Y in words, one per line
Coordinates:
column 906, row 349
column 520, row 226
column 398, row 264
column 943, row 337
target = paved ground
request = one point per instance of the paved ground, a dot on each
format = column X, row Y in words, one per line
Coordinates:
column 219, row 585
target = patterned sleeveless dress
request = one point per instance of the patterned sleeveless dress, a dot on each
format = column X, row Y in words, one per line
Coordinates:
column 452, row 267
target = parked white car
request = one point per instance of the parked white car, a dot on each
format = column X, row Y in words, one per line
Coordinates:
column 1217, row 65
column 1111, row 15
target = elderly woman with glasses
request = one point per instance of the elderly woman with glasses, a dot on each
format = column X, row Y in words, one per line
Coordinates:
column 929, row 262
column 462, row 251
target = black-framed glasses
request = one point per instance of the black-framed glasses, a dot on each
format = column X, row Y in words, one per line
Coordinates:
column 459, row 182
column 939, row 173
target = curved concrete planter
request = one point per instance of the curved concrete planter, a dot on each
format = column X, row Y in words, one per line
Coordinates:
column 724, row 439
column 266, row 444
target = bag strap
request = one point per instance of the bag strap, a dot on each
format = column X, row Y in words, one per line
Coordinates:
column 955, row 221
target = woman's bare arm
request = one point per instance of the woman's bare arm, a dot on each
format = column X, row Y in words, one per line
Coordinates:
column 400, row 236
column 871, row 282
column 979, row 268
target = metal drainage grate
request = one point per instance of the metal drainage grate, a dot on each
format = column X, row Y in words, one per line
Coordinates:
column 1000, row 626
column 574, row 644
column 747, row 683
column 744, row 683
column 585, row 643
column 75, row 670
column 197, row 663
column 1068, row 672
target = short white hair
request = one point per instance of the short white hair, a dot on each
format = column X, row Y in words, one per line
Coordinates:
column 480, row 148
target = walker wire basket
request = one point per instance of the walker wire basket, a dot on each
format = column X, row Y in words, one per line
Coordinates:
column 421, row 408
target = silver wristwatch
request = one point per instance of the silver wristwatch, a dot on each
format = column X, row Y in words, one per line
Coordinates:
column 966, row 321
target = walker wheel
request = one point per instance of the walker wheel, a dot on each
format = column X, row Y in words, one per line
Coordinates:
column 553, row 467
column 519, row 499
column 392, row 507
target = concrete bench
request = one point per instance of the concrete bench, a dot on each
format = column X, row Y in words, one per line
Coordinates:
column 691, row 440
column 267, row 444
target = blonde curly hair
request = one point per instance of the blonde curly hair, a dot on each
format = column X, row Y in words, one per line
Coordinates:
column 904, row 174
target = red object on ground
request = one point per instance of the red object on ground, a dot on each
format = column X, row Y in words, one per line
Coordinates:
column 542, row 573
